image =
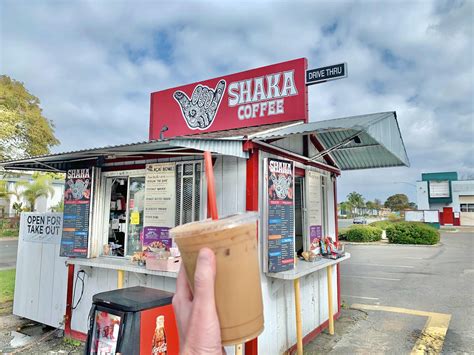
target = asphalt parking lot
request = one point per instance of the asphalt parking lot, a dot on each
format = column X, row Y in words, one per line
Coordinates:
column 401, row 288
column 8, row 250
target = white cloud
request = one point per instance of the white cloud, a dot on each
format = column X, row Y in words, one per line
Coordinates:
column 94, row 64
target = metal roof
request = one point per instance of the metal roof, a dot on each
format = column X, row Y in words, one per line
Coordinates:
column 381, row 144
column 61, row 161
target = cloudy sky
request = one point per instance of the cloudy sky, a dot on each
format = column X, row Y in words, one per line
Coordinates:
column 93, row 65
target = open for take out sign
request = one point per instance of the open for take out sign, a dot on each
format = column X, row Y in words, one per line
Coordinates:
column 271, row 94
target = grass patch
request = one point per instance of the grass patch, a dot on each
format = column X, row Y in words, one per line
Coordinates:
column 8, row 233
column 7, row 285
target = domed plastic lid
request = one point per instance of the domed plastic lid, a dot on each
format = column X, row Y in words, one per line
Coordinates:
column 210, row 225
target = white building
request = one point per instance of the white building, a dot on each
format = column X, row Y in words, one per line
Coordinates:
column 453, row 198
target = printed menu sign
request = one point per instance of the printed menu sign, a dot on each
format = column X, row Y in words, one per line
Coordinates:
column 281, row 209
column 160, row 235
column 314, row 205
column 77, row 205
column 160, row 195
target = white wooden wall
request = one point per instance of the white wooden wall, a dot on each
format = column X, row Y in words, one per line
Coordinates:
column 230, row 178
column 40, row 281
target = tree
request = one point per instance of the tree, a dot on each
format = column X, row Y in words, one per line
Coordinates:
column 345, row 208
column 356, row 200
column 378, row 203
column 39, row 187
column 371, row 205
column 397, row 202
column 24, row 131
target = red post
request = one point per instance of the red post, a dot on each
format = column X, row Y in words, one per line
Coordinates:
column 251, row 347
column 68, row 315
column 211, row 190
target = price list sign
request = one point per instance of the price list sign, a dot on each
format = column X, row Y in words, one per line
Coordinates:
column 77, row 206
column 280, row 214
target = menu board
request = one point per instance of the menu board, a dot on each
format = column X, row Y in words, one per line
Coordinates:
column 156, row 237
column 77, row 206
column 314, row 205
column 280, row 214
column 160, row 195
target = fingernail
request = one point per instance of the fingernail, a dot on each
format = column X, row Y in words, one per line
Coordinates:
column 204, row 256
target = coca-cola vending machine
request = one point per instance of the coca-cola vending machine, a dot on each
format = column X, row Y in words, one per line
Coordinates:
column 134, row 320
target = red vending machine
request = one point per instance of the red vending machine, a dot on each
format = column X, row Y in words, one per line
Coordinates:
column 134, row 320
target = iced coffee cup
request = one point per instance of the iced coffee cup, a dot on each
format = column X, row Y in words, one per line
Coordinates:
column 238, row 289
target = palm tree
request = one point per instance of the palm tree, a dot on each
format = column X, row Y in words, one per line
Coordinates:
column 356, row 200
column 40, row 187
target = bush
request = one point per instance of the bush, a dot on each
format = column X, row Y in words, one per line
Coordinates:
column 412, row 233
column 363, row 234
column 381, row 224
column 342, row 233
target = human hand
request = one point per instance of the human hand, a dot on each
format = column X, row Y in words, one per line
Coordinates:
column 200, row 110
column 198, row 323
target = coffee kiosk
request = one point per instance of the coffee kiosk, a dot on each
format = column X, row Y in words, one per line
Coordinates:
column 257, row 125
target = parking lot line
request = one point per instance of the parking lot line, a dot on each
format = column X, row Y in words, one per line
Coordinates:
column 432, row 337
column 383, row 265
column 370, row 277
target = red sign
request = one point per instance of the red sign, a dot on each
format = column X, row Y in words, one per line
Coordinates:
column 271, row 94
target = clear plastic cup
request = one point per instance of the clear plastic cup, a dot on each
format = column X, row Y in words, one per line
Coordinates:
column 238, row 289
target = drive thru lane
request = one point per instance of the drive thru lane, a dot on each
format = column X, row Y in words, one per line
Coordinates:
column 436, row 279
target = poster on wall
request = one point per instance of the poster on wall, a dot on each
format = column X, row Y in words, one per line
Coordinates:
column 41, row 227
column 160, row 202
column 314, row 206
column 157, row 237
column 77, row 207
column 280, row 211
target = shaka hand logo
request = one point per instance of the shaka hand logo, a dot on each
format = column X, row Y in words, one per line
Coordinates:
column 199, row 111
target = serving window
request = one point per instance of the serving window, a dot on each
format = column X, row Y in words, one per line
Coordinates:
column 156, row 198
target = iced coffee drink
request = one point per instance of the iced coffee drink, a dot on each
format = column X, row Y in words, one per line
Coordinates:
column 238, row 289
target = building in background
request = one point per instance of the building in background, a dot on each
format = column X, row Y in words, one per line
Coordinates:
column 453, row 198
column 16, row 184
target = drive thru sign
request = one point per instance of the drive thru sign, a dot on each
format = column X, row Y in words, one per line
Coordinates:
column 320, row 75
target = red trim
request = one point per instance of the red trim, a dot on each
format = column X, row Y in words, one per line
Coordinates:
column 251, row 347
column 320, row 148
column 68, row 315
column 78, row 335
column 150, row 129
column 300, row 172
column 123, row 167
column 295, row 158
column 338, row 271
column 311, row 335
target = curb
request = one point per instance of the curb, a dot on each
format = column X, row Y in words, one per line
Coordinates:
column 8, row 239
column 393, row 245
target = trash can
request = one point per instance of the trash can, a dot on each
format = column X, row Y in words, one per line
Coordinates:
column 134, row 320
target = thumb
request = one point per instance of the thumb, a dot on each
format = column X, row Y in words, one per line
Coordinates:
column 204, row 278
column 182, row 98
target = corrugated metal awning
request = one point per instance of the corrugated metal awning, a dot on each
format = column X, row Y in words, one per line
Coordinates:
column 359, row 142
column 62, row 161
